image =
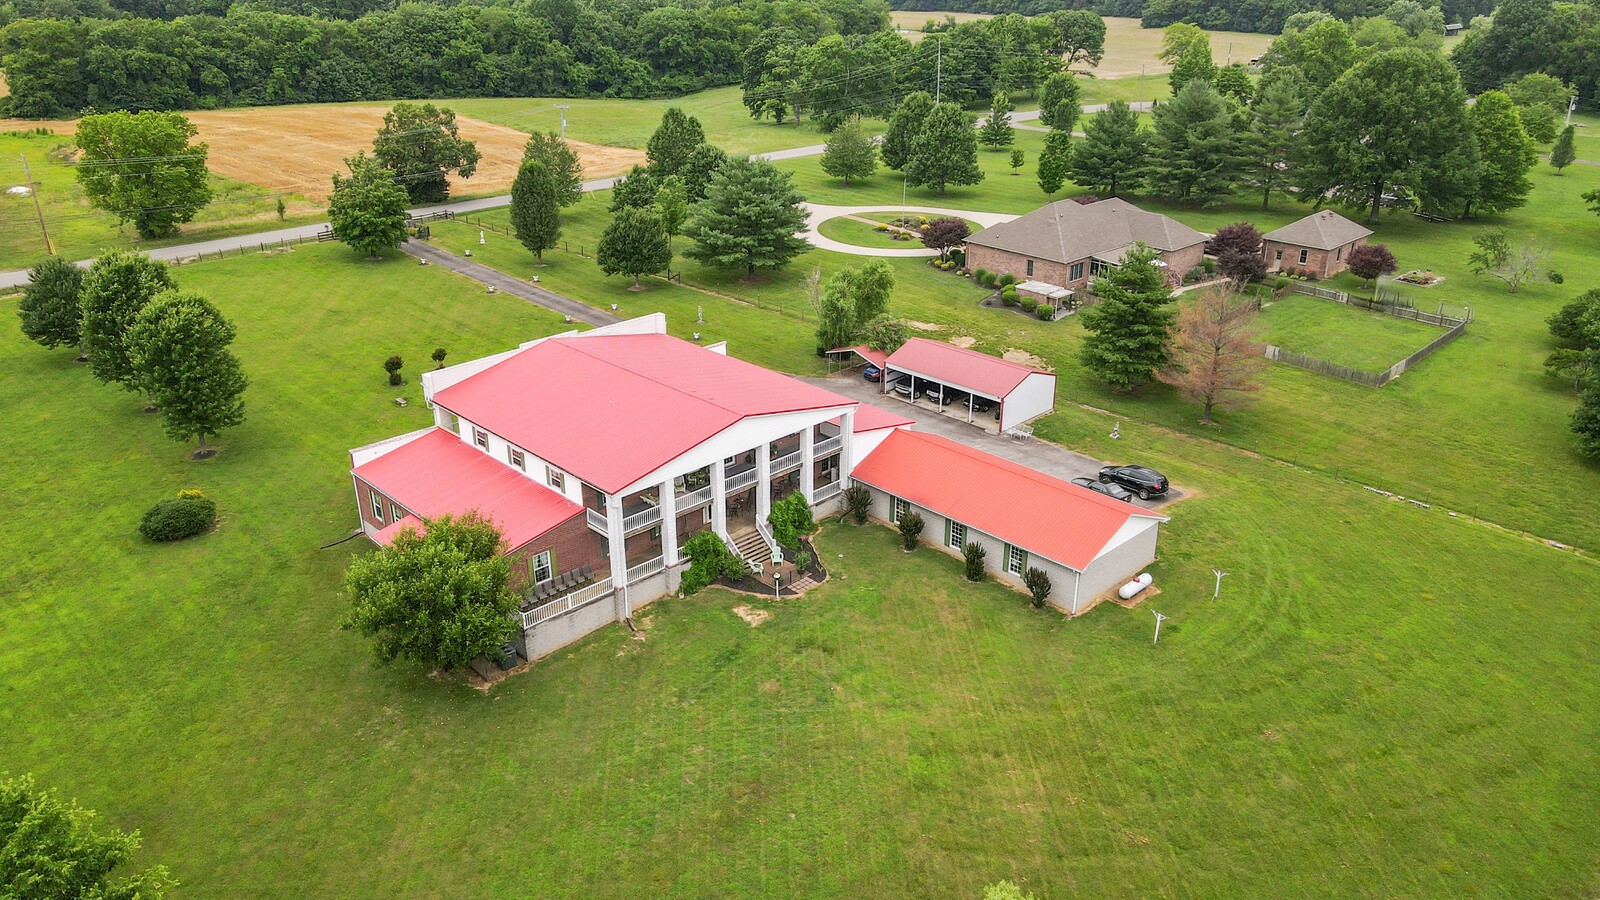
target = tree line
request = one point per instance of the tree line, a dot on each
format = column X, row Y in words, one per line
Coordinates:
column 62, row 66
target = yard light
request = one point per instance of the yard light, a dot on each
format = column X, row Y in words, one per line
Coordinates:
column 777, row 577
column 1159, row 619
column 481, row 239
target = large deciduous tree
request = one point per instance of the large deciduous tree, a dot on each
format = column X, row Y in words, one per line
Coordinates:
column 851, row 301
column 422, row 146
column 117, row 287
column 1194, row 154
column 1079, row 38
column 1586, row 423
column 367, row 210
column 749, row 218
column 704, row 163
column 673, row 140
column 1215, row 356
column 1237, row 248
column 50, row 850
column 945, row 234
column 637, row 189
column 672, row 205
column 1127, row 338
column 179, row 344
column 1060, row 104
column 996, row 131
column 437, row 596
column 49, row 309
column 1193, row 64
column 1398, row 119
column 558, row 157
column 850, row 152
column 634, row 244
column 1505, row 155
column 904, row 126
column 1112, row 150
column 142, row 168
column 946, row 152
column 536, row 208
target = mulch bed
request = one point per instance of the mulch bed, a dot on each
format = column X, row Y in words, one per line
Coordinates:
column 749, row 585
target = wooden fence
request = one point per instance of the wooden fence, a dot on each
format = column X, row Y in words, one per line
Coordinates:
column 1371, row 379
column 1440, row 318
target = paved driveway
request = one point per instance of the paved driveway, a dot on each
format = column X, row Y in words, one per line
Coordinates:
column 1044, row 456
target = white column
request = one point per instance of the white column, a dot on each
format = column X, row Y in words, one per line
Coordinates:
column 847, row 434
column 808, row 457
column 719, row 497
column 619, row 551
column 763, row 480
column 669, row 523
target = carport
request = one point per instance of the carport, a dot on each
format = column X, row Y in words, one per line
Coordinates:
column 1022, row 392
column 847, row 356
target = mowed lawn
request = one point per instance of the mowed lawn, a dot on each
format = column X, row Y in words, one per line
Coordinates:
column 1385, row 701
column 861, row 234
column 1347, row 335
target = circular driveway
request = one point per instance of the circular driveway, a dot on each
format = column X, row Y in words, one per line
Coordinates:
column 817, row 213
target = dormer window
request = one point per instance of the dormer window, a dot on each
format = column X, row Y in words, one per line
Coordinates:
column 516, row 458
column 480, row 437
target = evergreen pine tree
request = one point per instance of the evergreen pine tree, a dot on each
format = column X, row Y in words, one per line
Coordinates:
column 904, row 126
column 749, row 218
column 850, row 152
column 1193, row 153
column 536, row 208
column 1272, row 147
column 674, row 139
column 997, row 131
column 946, row 152
column 1055, row 161
column 1128, row 330
column 1112, row 150
column 1563, row 153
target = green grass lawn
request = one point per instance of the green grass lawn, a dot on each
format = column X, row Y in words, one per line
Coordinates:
column 861, row 234
column 1385, row 700
column 80, row 230
column 1347, row 335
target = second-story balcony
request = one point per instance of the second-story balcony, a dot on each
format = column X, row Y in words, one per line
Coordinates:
column 637, row 515
column 827, row 446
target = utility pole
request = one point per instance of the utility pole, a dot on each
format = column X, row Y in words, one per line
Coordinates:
column 1572, row 104
column 38, row 210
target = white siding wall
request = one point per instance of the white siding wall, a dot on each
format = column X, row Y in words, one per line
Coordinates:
column 1034, row 397
column 1120, row 564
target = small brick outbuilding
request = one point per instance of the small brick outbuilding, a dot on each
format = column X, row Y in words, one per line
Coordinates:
column 1318, row 244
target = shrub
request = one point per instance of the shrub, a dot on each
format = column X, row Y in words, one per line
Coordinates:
column 1555, row 277
column 981, row 274
column 791, row 520
column 1045, row 311
column 974, row 554
column 1009, row 290
column 190, row 494
column 1282, row 282
column 958, row 256
column 1194, row 274
column 1210, row 265
column 1038, row 584
column 804, row 560
column 174, row 520
column 857, row 503
column 709, row 560
column 1029, row 305
column 910, row 530
column 1008, row 278
column 1008, row 299
column 392, row 365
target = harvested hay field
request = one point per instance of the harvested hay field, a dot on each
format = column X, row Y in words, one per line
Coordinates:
column 299, row 148
column 285, row 148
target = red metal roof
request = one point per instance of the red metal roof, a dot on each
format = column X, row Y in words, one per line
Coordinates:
column 439, row 473
column 872, row 418
column 1040, row 513
column 385, row 535
column 613, row 408
column 876, row 357
column 960, row 367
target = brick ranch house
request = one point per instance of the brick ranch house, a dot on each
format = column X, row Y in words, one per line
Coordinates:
column 598, row 453
column 1318, row 244
column 1066, row 244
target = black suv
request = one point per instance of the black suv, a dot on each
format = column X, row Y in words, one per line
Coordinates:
column 1145, row 482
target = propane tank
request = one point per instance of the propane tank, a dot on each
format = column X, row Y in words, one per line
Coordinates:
column 1132, row 588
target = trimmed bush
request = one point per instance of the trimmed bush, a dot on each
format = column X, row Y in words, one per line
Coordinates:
column 1008, row 299
column 981, row 275
column 910, row 530
column 974, row 554
column 1008, row 278
column 1038, row 584
column 1045, row 311
column 1210, row 265
column 392, row 365
column 1029, row 305
column 857, row 503
column 1282, row 282
column 957, row 255
column 709, row 560
column 174, row 520
column 791, row 520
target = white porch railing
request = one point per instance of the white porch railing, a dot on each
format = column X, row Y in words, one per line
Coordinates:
column 562, row 605
column 825, row 491
column 597, row 521
column 786, row 463
column 646, row 569
column 828, row 445
column 640, row 520
column 772, row 542
column 742, row 480
column 695, row 499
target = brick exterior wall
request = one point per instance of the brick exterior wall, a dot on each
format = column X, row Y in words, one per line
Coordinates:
column 573, row 545
column 364, row 495
column 1285, row 258
column 1004, row 262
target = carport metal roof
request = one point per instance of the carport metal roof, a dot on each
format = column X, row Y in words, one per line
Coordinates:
column 968, row 370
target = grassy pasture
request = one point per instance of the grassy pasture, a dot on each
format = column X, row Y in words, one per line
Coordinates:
column 1347, row 335
column 1406, row 709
